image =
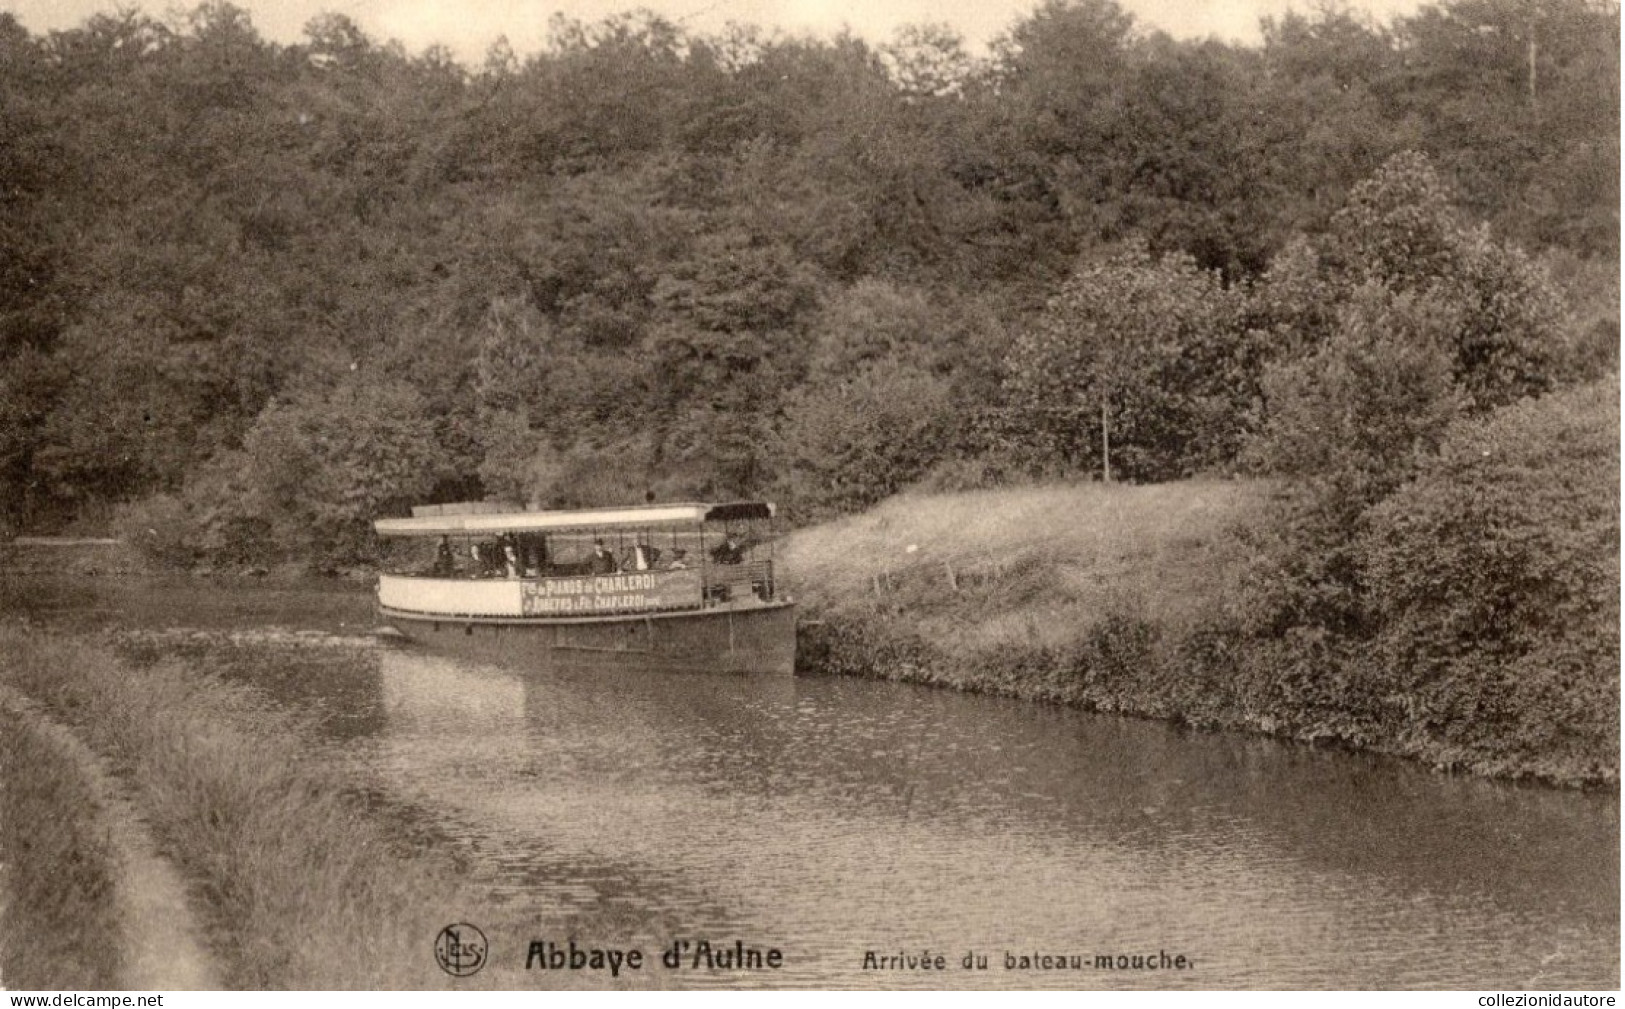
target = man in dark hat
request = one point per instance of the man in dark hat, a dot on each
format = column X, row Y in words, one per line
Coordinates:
column 602, row 562
column 730, row 551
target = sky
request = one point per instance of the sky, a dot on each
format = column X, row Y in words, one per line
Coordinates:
column 468, row 27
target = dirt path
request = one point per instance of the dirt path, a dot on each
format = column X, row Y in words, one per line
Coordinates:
column 160, row 939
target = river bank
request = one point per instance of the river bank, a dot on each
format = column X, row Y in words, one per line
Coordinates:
column 96, row 905
column 1128, row 600
column 274, row 852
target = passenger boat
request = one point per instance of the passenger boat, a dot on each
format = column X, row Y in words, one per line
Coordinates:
column 667, row 587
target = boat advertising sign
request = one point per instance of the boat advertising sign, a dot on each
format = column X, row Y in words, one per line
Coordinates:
column 631, row 591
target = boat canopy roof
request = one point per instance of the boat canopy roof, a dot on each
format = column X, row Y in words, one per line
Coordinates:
column 488, row 523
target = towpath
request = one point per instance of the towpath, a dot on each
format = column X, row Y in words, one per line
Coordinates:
column 160, row 939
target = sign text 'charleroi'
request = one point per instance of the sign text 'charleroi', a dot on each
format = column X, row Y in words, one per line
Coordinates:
column 631, row 591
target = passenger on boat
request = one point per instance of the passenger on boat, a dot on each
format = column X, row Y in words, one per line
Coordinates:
column 602, row 562
column 644, row 557
column 510, row 560
column 445, row 565
column 488, row 559
column 730, row 551
column 679, row 560
column 533, row 552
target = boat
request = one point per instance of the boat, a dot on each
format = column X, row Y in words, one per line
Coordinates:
column 685, row 587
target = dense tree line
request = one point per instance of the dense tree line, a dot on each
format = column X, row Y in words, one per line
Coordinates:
column 254, row 293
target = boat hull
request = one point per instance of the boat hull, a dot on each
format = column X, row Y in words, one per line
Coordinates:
column 755, row 639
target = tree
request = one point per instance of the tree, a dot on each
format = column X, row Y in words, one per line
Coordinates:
column 1520, row 99
column 1059, row 61
column 336, row 41
column 1354, row 414
column 1154, row 345
column 30, row 385
column 1335, row 42
column 1429, row 322
column 1174, row 155
column 1401, row 230
column 324, row 463
column 929, row 60
column 1322, row 101
column 644, row 244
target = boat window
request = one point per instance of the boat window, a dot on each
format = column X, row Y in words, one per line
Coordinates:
column 414, row 555
column 571, row 553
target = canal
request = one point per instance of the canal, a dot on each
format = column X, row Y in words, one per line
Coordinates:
column 855, row 825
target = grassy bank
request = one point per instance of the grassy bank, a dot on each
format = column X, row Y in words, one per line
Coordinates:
column 298, row 887
column 59, row 926
column 1133, row 600
column 984, row 573
column 1069, row 594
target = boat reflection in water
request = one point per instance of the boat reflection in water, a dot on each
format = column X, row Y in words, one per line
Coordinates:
column 830, row 817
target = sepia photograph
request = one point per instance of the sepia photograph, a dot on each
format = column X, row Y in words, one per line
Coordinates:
column 810, row 495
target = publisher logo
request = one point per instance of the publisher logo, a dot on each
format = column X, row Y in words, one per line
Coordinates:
column 460, row 949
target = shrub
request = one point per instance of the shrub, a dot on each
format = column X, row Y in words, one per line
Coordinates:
column 230, row 524
column 1399, row 230
column 963, row 473
column 1495, row 580
column 1348, row 423
column 1359, row 408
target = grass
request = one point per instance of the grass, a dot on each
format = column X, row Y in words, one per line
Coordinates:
column 978, row 573
column 300, row 887
column 60, row 925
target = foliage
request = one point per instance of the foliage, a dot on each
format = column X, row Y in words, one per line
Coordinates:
column 1400, row 322
column 160, row 529
column 1494, row 579
column 1125, row 598
column 849, row 443
column 643, row 244
column 1591, row 289
column 1432, row 575
column 1399, row 229
column 1357, row 412
column 323, row 464
column 1158, row 347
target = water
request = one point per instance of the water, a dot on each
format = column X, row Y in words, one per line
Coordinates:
column 830, row 819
